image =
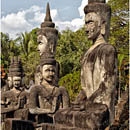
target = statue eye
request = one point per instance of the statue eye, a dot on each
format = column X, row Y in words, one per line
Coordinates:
column 53, row 70
column 47, row 70
column 89, row 22
column 40, row 43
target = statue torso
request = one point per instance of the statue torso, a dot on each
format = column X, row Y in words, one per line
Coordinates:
column 45, row 96
column 94, row 68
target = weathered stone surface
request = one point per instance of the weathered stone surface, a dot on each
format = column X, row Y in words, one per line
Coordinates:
column 98, row 1
column 22, row 114
column 99, row 63
column 104, row 11
column 47, row 39
column 16, row 124
column 95, row 117
column 47, row 35
column 15, row 68
column 45, row 126
column 47, row 97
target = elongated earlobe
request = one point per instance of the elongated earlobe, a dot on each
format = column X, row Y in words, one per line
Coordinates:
column 103, row 28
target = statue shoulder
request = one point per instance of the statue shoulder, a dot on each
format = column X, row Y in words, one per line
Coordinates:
column 8, row 93
column 108, row 47
column 5, row 88
column 37, row 89
column 107, row 50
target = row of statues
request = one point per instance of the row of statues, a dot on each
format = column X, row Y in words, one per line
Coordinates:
column 44, row 100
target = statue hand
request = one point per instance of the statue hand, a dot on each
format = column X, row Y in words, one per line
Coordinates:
column 10, row 108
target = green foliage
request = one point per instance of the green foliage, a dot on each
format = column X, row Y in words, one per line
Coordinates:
column 8, row 48
column 29, row 56
column 119, row 29
column 119, row 37
column 123, row 68
column 72, row 83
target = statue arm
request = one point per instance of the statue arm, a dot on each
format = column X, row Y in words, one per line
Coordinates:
column 9, row 102
column 37, row 110
column 11, row 108
column 33, row 99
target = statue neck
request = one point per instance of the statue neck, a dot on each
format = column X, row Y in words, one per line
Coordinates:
column 46, row 84
column 99, row 39
column 16, row 90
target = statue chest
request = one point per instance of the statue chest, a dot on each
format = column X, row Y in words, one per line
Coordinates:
column 46, row 100
column 91, row 72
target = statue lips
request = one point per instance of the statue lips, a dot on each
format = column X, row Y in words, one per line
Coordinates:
column 50, row 77
column 39, row 51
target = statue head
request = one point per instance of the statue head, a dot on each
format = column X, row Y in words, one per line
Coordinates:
column 97, row 19
column 47, row 35
column 15, row 74
column 48, row 72
column 92, row 25
column 47, row 68
column 17, row 81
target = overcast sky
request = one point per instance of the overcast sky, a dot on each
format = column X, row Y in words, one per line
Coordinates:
column 24, row 15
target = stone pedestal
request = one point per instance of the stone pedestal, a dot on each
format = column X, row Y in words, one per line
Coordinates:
column 98, row 119
column 48, row 126
column 17, row 124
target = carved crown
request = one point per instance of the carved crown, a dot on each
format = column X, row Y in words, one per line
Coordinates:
column 47, row 25
column 47, row 58
column 15, row 68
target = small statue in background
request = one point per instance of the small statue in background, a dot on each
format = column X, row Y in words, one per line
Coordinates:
column 15, row 98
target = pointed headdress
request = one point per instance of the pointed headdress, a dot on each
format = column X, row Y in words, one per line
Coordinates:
column 15, row 68
column 47, row 26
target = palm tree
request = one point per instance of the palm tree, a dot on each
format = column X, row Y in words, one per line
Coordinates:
column 29, row 55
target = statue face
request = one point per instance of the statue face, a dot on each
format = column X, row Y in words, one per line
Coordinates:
column 52, row 40
column 10, row 82
column 43, row 44
column 48, row 72
column 92, row 25
column 17, row 81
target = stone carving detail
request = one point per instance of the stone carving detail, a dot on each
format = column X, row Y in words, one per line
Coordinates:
column 47, row 35
column 99, row 63
column 47, row 104
column 92, row 1
column 15, row 100
column 14, row 69
column 47, row 98
column 47, row 39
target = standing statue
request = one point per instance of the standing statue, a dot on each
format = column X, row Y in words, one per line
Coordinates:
column 15, row 98
column 47, row 98
column 99, row 63
column 47, row 39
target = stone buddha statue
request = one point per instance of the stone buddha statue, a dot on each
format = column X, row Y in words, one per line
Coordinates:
column 15, row 98
column 47, row 39
column 47, row 35
column 47, row 98
column 94, row 106
column 99, row 63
